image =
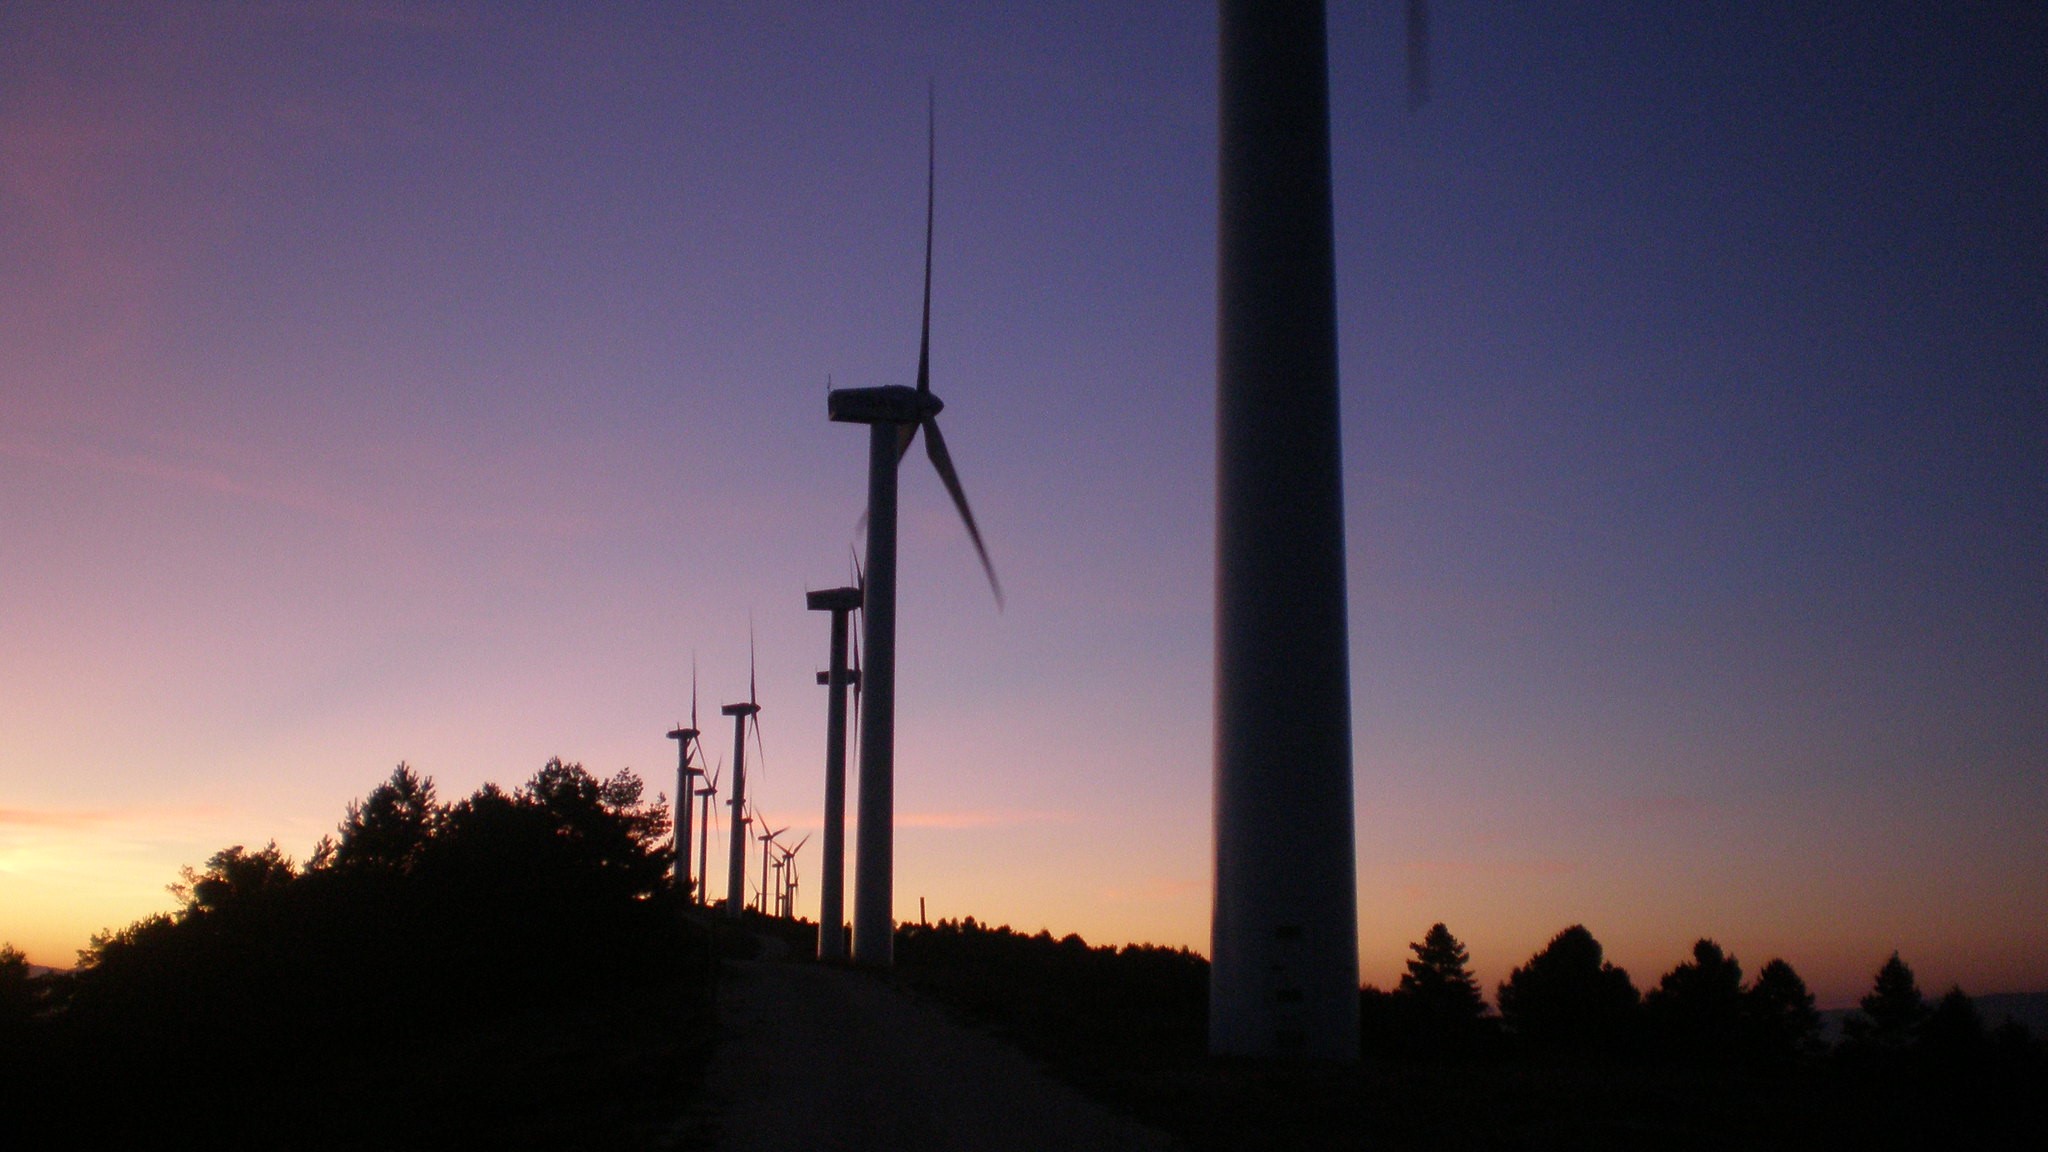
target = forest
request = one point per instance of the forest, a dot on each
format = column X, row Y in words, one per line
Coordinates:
column 1575, row 1056
column 514, row 968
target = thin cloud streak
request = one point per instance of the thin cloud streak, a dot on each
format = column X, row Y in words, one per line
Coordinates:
column 79, row 457
column 1471, row 867
column 982, row 818
column 95, row 819
column 71, row 820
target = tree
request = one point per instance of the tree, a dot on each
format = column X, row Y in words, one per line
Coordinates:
column 1953, row 1029
column 1696, row 1009
column 17, row 992
column 1568, row 998
column 1892, row 1012
column 1781, row 1011
column 1438, row 979
column 394, row 1002
column 579, row 832
column 1436, row 1009
column 389, row 829
column 232, row 875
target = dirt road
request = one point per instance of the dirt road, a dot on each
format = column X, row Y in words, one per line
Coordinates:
column 819, row 1058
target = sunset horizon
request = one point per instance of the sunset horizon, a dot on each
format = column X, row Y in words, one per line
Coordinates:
column 441, row 383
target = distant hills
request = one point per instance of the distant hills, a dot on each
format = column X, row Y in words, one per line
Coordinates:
column 2029, row 1008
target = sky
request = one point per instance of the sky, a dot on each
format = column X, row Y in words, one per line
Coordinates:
column 439, row 382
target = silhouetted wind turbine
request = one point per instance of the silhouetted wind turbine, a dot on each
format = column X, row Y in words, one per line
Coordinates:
column 736, row 878
column 767, row 837
column 1284, row 933
column 704, row 796
column 840, row 602
column 685, row 787
column 894, row 414
column 789, row 876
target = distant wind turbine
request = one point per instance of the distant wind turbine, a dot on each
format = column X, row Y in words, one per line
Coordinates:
column 894, row 414
column 840, row 602
column 685, row 787
column 788, row 856
column 736, row 865
column 704, row 796
column 767, row 837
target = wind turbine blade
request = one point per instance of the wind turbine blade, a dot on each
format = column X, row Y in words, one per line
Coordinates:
column 904, row 435
column 860, row 578
column 800, row 844
column 942, row 460
column 753, row 697
column 693, row 689
column 924, row 340
column 853, row 754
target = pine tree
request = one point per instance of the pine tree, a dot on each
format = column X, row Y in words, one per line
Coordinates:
column 1892, row 1012
column 1439, row 980
column 1781, row 1011
column 1953, row 1029
column 389, row 829
column 1894, row 1006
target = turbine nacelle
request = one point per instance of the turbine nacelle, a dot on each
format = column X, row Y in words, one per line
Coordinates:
column 740, row 709
column 833, row 600
column 682, row 734
column 887, row 404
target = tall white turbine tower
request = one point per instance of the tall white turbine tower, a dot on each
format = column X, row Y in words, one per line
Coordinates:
column 895, row 414
column 686, row 787
column 736, row 863
column 704, row 796
column 840, row 602
column 1284, row 935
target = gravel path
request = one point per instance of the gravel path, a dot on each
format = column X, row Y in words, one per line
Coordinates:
column 816, row 1057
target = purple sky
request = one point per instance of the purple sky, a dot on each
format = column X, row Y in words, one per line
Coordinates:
column 429, row 381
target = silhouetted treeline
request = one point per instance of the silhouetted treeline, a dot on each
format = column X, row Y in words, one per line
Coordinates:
column 430, row 965
column 1568, row 1002
column 1061, row 997
column 1578, row 1056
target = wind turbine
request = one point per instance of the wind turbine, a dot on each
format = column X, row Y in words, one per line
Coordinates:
column 704, row 796
column 840, row 602
column 736, row 866
column 894, row 413
column 685, row 787
column 1283, row 978
column 789, row 876
column 767, row 837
